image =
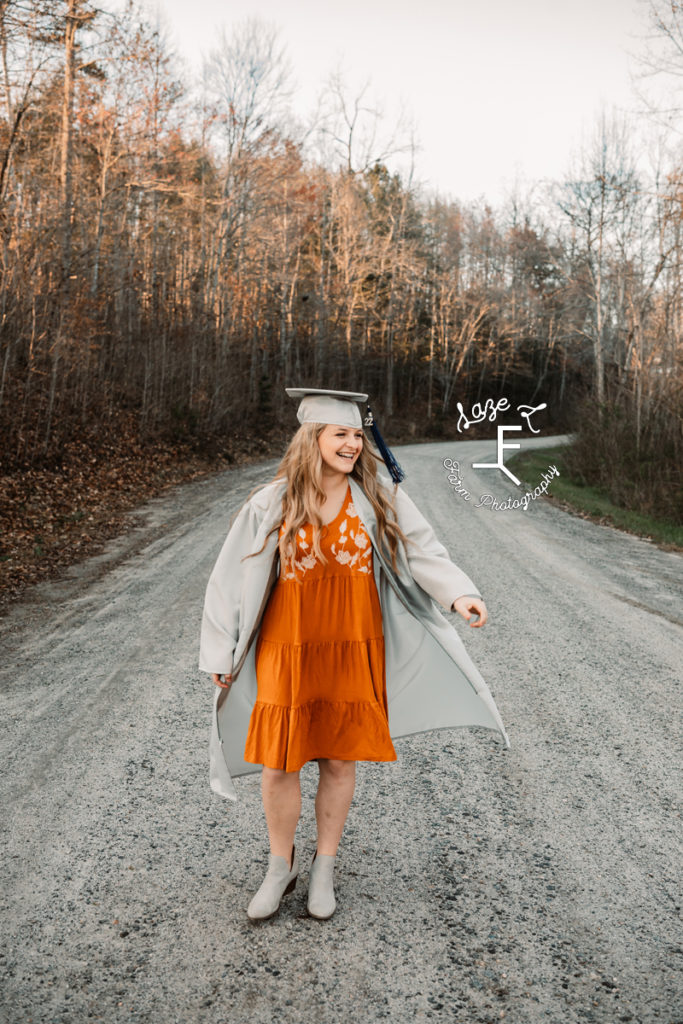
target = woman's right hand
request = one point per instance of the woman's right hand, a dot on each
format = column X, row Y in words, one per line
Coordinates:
column 227, row 676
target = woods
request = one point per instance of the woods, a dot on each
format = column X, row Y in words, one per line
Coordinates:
column 173, row 255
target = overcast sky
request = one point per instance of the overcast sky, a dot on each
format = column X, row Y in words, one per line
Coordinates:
column 499, row 90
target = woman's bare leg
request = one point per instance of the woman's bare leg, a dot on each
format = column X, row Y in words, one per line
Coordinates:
column 333, row 799
column 281, row 793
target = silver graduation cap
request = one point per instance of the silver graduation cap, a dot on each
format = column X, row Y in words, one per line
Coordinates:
column 319, row 406
column 339, row 407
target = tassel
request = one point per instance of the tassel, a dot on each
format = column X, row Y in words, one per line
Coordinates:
column 390, row 462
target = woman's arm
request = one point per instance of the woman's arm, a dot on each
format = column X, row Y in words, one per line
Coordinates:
column 429, row 562
column 220, row 621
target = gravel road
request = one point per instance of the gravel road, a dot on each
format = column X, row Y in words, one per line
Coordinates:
column 474, row 883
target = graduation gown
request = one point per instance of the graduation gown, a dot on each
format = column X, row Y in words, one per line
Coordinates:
column 431, row 681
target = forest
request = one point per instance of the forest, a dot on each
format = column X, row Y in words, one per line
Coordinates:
column 175, row 253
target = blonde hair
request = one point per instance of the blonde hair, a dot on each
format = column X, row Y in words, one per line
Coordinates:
column 301, row 467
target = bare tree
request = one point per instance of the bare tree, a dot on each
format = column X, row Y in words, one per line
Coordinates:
column 657, row 76
column 29, row 55
column 596, row 198
column 248, row 75
column 247, row 78
column 352, row 131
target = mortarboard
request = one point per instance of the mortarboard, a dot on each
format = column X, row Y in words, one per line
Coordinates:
column 339, row 407
column 317, row 406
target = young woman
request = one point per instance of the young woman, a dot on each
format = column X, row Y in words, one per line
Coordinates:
column 320, row 610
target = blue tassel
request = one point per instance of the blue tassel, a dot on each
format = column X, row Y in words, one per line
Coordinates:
column 390, row 462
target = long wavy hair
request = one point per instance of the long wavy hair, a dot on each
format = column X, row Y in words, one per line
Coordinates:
column 302, row 466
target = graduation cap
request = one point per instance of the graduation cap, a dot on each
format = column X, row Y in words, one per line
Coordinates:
column 340, row 408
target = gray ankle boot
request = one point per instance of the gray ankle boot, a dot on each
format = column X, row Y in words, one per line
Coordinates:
column 280, row 879
column 321, row 901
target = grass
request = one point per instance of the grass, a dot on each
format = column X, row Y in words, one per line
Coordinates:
column 590, row 502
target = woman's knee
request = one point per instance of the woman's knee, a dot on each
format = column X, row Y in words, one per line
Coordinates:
column 337, row 770
column 278, row 777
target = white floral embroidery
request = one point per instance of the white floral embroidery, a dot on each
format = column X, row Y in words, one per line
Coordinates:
column 354, row 560
column 365, row 557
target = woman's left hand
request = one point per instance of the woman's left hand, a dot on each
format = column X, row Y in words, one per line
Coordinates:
column 227, row 676
column 466, row 606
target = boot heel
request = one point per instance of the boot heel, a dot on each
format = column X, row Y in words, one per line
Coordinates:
column 291, row 886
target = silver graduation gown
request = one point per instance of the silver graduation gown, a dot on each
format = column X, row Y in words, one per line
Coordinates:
column 431, row 681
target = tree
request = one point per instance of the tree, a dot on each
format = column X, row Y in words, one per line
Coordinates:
column 597, row 200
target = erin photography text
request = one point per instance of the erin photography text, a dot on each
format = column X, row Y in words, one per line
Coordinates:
column 488, row 500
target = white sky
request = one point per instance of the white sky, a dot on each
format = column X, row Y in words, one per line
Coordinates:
column 499, row 90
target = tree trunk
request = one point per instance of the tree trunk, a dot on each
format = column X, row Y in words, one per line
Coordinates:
column 66, row 138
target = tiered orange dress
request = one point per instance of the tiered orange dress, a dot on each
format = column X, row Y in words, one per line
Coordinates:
column 320, row 671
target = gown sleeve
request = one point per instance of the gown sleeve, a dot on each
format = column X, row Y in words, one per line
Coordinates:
column 220, row 620
column 428, row 560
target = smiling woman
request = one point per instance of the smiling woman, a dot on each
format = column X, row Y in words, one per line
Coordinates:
column 345, row 443
column 307, row 605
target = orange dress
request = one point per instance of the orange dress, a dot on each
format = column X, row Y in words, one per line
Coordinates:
column 321, row 688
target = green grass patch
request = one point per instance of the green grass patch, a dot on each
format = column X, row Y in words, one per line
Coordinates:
column 590, row 501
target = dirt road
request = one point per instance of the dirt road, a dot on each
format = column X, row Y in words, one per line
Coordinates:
column 475, row 884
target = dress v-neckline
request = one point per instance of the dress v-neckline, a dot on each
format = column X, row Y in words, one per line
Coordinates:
column 343, row 506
